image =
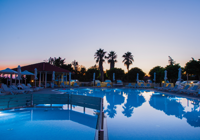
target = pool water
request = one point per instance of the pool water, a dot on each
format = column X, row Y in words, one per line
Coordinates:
column 131, row 114
column 145, row 114
column 47, row 123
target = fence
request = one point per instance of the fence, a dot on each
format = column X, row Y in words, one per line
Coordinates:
column 30, row 100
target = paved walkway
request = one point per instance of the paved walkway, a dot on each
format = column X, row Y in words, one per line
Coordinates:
column 53, row 91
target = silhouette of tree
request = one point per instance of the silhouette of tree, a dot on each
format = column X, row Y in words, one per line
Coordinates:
column 172, row 72
column 99, row 56
column 112, row 59
column 128, row 59
column 171, row 61
column 132, row 74
column 193, row 67
column 75, row 64
column 119, row 73
column 159, row 73
column 59, row 62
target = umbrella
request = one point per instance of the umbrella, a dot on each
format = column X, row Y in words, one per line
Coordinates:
column 35, row 70
column 69, row 78
column 53, row 76
column 113, row 77
column 165, row 78
column 154, row 77
column 19, row 73
column 93, row 76
column 8, row 71
column 137, row 77
column 26, row 73
column 179, row 74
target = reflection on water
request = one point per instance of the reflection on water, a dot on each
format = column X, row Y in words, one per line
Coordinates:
column 47, row 123
column 134, row 100
column 169, row 104
column 143, row 114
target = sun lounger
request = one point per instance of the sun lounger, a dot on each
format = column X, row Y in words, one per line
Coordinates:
column 129, row 85
column 184, row 89
column 141, row 86
column 63, row 85
column 34, row 88
column 147, row 86
column 173, row 88
column 192, row 90
column 166, row 88
column 26, row 88
column 76, row 85
column 135, row 86
column 98, row 85
column 13, row 87
column 8, row 90
column 160, row 88
column 108, row 85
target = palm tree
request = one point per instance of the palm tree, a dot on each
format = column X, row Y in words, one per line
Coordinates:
column 112, row 59
column 99, row 56
column 75, row 64
column 128, row 59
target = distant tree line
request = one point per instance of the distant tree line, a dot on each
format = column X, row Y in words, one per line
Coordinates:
column 192, row 68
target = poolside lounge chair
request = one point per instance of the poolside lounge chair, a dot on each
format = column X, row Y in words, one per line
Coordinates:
column 136, row 85
column 108, row 85
column 192, row 90
column 8, row 90
column 147, row 86
column 160, row 88
column 98, row 85
column 63, row 85
column 26, row 88
column 13, row 87
column 34, row 88
column 76, row 85
column 184, row 89
column 173, row 88
column 141, row 86
column 166, row 88
column 129, row 85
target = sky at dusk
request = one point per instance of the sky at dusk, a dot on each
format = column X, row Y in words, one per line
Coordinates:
column 31, row 31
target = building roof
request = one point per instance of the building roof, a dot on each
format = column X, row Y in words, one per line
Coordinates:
column 43, row 66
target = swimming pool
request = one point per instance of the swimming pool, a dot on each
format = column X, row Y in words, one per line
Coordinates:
column 47, row 123
column 131, row 114
column 145, row 114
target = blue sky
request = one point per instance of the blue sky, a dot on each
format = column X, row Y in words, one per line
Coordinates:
column 34, row 30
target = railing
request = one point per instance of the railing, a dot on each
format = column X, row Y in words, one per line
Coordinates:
column 30, row 100
column 13, row 101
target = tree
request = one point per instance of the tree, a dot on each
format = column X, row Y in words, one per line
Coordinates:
column 89, row 74
column 59, row 62
column 119, row 73
column 128, row 59
column 159, row 74
column 171, row 61
column 75, row 64
column 193, row 67
column 67, row 67
column 99, row 56
column 112, row 59
column 172, row 72
column 132, row 74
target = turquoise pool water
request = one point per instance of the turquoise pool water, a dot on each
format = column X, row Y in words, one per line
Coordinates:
column 144, row 114
column 131, row 114
column 47, row 124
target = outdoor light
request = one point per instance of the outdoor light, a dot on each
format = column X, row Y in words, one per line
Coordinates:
column 32, row 81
